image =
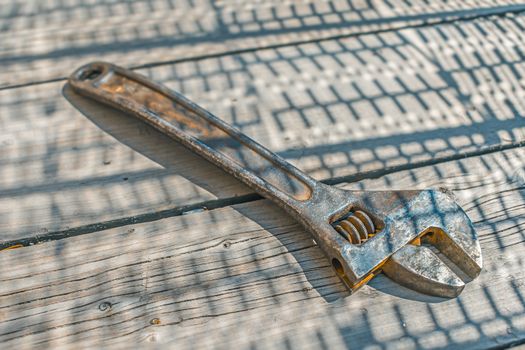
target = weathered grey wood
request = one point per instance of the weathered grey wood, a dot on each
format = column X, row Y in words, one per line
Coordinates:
column 46, row 40
column 247, row 276
column 333, row 108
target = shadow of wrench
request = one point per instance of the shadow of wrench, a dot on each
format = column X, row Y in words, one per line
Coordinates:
column 362, row 233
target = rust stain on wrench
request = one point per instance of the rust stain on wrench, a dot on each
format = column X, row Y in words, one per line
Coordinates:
column 361, row 232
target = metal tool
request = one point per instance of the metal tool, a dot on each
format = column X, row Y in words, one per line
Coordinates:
column 361, row 232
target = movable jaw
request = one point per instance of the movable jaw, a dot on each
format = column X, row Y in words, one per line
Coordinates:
column 409, row 224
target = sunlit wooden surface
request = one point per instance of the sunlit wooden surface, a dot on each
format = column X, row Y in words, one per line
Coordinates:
column 130, row 238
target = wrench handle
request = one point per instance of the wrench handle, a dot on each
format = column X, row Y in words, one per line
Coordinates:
column 197, row 129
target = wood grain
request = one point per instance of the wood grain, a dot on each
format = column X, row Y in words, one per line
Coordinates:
column 47, row 40
column 333, row 108
column 247, row 276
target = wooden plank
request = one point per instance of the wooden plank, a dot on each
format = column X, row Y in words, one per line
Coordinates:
column 247, row 276
column 333, row 108
column 47, row 40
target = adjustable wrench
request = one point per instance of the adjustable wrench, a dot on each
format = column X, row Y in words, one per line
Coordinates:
column 362, row 233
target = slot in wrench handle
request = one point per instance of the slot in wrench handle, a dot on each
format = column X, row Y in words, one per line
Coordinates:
column 198, row 130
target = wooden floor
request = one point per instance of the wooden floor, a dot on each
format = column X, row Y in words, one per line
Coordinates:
column 122, row 236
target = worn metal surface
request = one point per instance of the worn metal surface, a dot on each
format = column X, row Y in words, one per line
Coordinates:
column 361, row 232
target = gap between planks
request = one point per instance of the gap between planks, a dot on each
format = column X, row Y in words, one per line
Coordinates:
column 464, row 16
column 225, row 202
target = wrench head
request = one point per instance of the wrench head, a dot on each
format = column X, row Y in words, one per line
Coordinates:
column 407, row 225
